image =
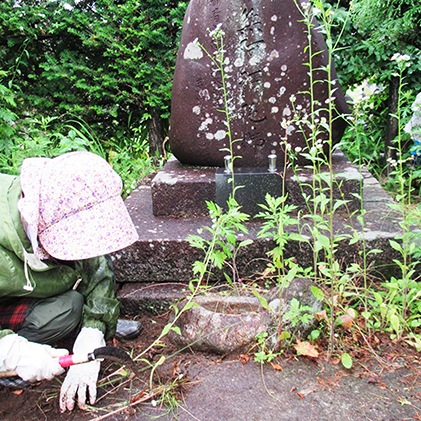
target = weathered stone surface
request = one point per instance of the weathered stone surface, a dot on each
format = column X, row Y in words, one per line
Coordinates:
column 178, row 190
column 300, row 289
column 221, row 324
column 140, row 298
column 225, row 324
column 163, row 253
column 264, row 56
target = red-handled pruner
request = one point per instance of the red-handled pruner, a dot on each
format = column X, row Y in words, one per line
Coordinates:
column 105, row 352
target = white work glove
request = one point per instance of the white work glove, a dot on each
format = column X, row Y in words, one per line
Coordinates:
column 31, row 361
column 82, row 377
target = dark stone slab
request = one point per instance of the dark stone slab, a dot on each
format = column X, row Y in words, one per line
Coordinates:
column 255, row 184
column 264, row 56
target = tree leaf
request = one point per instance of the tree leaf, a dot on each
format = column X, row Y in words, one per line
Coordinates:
column 263, row 301
column 395, row 246
column 306, row 348
column 351, row 312
column 317, row 293
column 276, row 366
column 346, row 360
column 322, row 315
column 347, row 321
column 394, row 321
column 245, row 243
column 177, row 330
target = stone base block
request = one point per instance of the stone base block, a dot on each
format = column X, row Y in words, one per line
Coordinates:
column 163, row 253
column 179, row 190
column 182, row 191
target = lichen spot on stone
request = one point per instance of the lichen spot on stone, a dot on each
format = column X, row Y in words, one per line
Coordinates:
column 196, row 110
column 193, row 52
column 209, row 136
column 220, row 134
column 266, row 85
column 284, row 67
column 274, row 54
column 238, row 62
column 274, row 110
column 168, row 179
column 205, row 124
column 274, row 18
column 282, row 90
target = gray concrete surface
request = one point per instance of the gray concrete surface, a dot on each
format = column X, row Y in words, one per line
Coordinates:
column 303, row 391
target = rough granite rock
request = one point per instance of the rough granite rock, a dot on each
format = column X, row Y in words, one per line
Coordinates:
column 224, row 324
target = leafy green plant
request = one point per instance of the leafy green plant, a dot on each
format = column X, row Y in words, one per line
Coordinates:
column 265, row 353
column 223, row 245
column 298, row 313
column 218, row 60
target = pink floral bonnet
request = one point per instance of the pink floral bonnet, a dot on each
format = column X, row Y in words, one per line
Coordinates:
column 71, row 207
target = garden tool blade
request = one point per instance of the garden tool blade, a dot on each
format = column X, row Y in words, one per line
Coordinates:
column 105, row 352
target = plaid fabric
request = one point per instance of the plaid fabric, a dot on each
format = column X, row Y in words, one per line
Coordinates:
column 14, row 382
column 14, row 312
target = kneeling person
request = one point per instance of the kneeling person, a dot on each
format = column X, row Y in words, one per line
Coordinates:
column 58, row 220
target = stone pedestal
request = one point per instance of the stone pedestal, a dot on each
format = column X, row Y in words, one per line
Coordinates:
column 182, row 191
column 163, row 254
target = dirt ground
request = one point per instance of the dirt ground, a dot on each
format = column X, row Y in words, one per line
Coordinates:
column 235, row 388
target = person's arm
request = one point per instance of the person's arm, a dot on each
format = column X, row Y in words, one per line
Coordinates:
column 29, row 360
column 101, row 308
column 99, row 318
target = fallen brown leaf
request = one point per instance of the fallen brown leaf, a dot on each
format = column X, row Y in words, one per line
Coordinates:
column 304, row 392
column 346, row 321
column 322, row 315
column 244, row 359
column 276, row 366
column 306, row 348
column 351, row 312
column 335, row 360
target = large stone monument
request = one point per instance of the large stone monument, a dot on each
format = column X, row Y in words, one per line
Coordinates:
column 265, row 59
column 264, row 63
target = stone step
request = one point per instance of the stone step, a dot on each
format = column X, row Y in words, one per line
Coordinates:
column 140, row 298
column 163, row 253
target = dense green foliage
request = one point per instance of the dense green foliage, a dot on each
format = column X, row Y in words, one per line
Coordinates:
column 106, row 66
column 108, row 62
column 371, row 32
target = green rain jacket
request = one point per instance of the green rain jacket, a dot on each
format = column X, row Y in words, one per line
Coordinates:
column 101, row 308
